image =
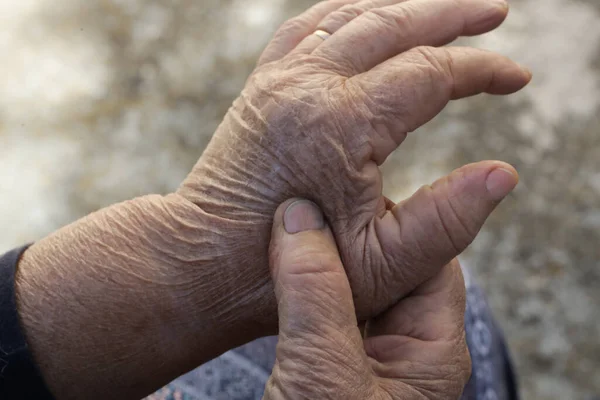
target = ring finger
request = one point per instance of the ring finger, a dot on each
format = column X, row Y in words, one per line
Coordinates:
column 294, row 30
column 336, row 20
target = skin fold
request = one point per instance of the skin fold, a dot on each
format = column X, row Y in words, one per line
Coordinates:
column 119, row 303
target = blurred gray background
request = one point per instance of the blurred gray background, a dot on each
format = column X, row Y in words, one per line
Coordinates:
column 104, row 100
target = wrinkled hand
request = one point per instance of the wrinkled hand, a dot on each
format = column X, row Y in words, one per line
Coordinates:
column 318, row 117
column 415, row 350
column 183, row 278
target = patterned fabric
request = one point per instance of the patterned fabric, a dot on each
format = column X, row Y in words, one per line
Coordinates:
column 492, row 377
column 241, row 374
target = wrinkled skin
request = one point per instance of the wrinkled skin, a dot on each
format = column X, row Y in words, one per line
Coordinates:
column 416, row 350
column 317, row 118
column 183, row 278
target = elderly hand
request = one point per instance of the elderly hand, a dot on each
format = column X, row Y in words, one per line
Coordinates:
column 316, row 120
column 414, row 351
column 184, row 277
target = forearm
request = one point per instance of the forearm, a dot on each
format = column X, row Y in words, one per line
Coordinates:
column 122, row 301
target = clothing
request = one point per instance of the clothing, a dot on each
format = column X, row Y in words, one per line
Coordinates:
column 241, row 374
column 19, row 377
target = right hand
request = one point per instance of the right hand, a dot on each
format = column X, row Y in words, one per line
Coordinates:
column 316, row 120
column 414, row 351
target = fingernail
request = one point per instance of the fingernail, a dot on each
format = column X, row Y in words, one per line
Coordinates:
column 500, row 3
column 500, row 182
column 526, row 70
column 303, row 215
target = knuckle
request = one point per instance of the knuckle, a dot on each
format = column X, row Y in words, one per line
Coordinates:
column 431, row 57
column 463, row 206
column 310, row 259
column 393, row 17
column 467, row 231
column 446, row 59
column 437, row 62
column 366, row 103
column 386, row 17
column 378, row 18
column 397, row 19
column 292, row 26
column 341, row 17
column 438, row 228
column 450, row 222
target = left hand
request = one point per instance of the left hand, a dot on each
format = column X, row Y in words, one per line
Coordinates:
column 414, row 351
column 316, row 120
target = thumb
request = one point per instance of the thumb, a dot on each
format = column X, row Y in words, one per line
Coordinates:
column 311, row 286
column 320, row 350
column 425, row 232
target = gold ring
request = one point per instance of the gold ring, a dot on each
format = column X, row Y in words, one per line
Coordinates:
column 322, row 34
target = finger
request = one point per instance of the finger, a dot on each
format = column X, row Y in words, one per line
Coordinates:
column 426, row 329
column 384, row 32
column 311, row 285
column 294, row 30
column 433, row 311
column 336, row 20
column 318, row 330
column 432, row 76
column 420, row 235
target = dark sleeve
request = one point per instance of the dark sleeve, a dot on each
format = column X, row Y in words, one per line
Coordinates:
column 19, row 377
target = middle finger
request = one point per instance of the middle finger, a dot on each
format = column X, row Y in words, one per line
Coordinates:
column 382, row 33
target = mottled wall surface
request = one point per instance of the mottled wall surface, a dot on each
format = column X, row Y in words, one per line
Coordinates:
column 103, row 100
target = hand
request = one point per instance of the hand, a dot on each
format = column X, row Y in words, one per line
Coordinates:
column 415, row 350
column 316, row 120
column 184, row 277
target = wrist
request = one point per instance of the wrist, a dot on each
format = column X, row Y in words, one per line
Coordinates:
column 223, row 282
column 138, row 282
column 211, row 264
